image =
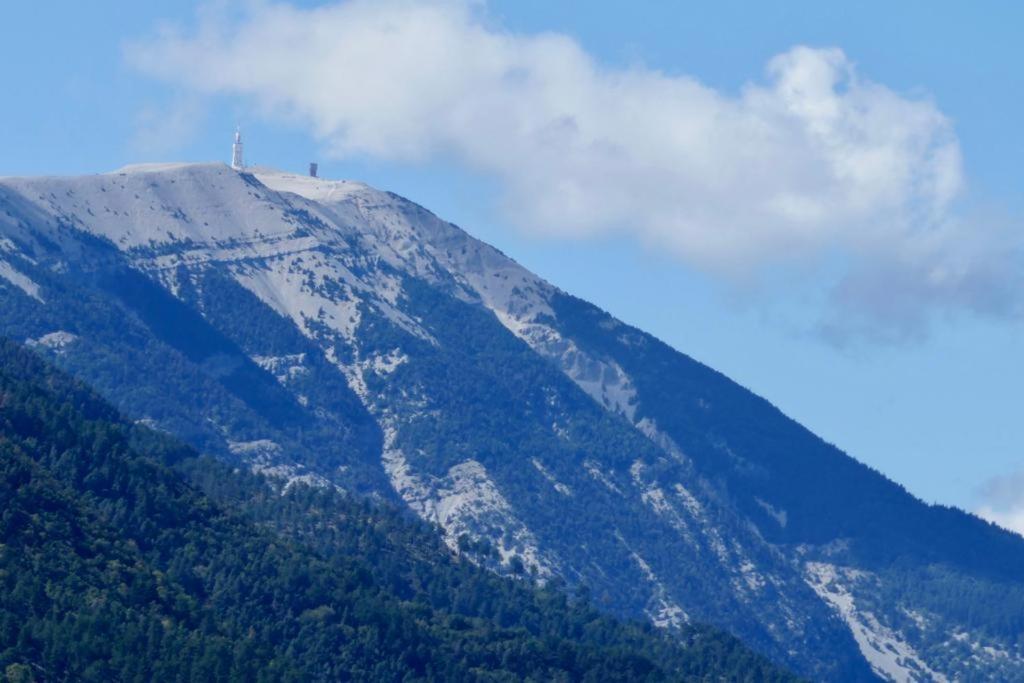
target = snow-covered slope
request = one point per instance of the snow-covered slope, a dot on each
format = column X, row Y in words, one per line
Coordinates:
column 336, row 335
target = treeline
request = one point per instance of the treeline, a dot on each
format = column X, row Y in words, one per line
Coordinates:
column 124, row 557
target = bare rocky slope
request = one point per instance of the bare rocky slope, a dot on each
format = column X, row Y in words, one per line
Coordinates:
column 327, row 332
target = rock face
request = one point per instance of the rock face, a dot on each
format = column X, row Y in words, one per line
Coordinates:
column 326, row 332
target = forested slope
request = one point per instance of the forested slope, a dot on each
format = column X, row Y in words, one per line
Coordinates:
column 125, row 556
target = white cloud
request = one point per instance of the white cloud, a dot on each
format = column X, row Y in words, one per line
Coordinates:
column 810, row 164
column 160, row 129
column 1011, row 520
column 1003, row 501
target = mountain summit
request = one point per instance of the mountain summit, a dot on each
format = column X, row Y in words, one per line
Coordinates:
column 330, row 333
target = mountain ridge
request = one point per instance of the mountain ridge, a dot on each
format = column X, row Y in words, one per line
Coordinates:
column 691, row 497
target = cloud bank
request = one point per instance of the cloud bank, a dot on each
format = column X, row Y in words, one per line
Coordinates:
column 1003, row 501
column 810, row 167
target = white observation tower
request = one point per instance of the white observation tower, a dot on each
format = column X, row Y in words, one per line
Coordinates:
column 236, row 152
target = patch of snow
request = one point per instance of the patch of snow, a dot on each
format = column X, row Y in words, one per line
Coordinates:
column 315, row 288
column 264, row 457
column 464, row 502
column 258, row 447
column 661, row 609
column 649, row 428
column 558, row 486
column 284, row 368
column 594, row 470
column 55, row 341
column 286, row 288
column 778, row 515
column 983, row 654
column 921, row 621
column 355, row 377
column 355, row 372
column 384, row 365
column 19, row 280
column 889, row 655
column 692, row 505
column 689, row 517
column 753, row 579
column 290, row 475
column 603, row 380
column 654, row 497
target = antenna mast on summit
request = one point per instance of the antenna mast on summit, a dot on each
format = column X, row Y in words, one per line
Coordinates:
column 237, row 162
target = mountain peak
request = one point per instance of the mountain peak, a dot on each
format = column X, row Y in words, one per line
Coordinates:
column 316, row 189
column 152, row 204
column 325, row 331
column 169, row 167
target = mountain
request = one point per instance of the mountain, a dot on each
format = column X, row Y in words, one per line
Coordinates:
column 127, row 557
column 326, row 333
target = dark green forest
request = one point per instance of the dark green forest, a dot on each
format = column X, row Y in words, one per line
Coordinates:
column 126, row 556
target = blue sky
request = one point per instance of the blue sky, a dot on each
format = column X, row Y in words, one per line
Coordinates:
column 92, row 87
